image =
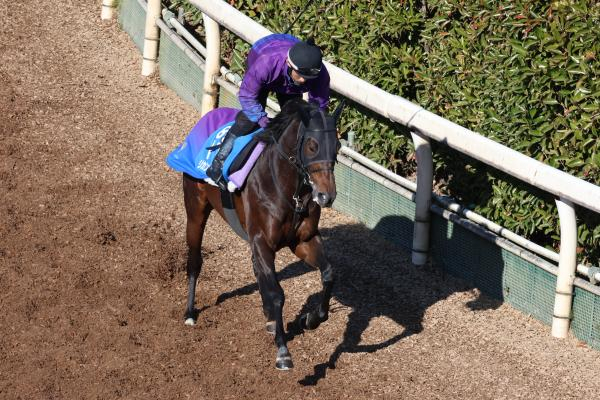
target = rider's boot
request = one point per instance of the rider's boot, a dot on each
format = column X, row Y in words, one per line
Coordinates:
column 215, row 171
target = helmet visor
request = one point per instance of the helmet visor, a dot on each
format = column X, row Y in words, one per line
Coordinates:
column 308, row 73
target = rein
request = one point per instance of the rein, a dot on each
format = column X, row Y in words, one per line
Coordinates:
column 303, row 180
column 302, row 174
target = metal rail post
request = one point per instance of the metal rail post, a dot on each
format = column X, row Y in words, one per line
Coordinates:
column 108, row 7
column 213, row 56
column 420, row 247
column 567, row 265
column 151, row 38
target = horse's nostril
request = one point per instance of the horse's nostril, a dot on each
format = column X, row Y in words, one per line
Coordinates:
column 324, row 199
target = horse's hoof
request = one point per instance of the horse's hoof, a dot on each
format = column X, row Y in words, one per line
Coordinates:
column 284, row 363
column 310, row 321
column 303, row 319
column 270, row 325
column 190, row 321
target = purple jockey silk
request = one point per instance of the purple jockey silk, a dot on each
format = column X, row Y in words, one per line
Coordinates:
column 268, row 72
column 193, row 157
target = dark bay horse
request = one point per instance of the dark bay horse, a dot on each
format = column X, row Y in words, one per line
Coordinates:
column 279, row 206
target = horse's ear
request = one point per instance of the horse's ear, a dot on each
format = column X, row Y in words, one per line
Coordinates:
column 305, row 115
column 338, row 110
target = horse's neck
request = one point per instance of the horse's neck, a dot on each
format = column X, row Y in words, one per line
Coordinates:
column 281, row 162
column 277, row 167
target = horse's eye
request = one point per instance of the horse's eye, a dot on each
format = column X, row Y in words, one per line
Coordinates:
column 312, row 147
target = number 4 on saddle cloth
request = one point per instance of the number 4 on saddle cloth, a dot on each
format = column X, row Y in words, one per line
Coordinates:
column 195, row 155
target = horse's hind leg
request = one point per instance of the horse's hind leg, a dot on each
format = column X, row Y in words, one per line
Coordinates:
column 313, row 254
column 197, row 209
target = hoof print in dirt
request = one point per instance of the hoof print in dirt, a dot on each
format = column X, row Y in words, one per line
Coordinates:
column 106, row 238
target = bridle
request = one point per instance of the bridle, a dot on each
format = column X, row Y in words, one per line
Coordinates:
column 321, row 128
column 323, row 132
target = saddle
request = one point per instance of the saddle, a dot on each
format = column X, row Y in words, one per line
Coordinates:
column 195, row 155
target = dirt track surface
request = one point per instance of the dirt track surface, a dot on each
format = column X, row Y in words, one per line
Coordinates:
column 92, row 280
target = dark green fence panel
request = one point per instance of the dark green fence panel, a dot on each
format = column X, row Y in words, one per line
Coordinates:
column 378, row 207
column 179, row 73
column 132, row 18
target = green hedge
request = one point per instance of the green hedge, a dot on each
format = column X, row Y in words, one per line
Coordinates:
column 524, row 73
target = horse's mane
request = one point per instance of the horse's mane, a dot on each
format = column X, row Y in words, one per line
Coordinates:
column 291, row 111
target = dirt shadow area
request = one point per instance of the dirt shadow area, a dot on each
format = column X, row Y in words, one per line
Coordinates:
column 92, row 259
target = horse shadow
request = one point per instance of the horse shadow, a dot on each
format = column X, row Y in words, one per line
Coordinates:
column 374, row 278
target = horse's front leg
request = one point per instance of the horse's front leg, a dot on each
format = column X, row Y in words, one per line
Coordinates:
column 267, row 306
column 273, row 297
column 313, row 254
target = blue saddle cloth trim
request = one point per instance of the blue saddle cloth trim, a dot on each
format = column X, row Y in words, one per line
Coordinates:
column 193, row 157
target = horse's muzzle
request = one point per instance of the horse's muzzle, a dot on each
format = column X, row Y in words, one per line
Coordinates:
column 324, row 199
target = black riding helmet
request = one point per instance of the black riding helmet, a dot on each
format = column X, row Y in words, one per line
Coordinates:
column 306, row 59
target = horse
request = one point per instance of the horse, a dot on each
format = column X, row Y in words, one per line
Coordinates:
column 278, row 206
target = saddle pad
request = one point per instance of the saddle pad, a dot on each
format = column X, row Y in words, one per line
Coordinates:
column 194, row 156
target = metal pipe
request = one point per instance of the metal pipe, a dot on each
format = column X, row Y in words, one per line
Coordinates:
column 231, row 76
column 420, row 247
column 351, row 136
column 225, row 84
column 379, row 169
column 151, row 37
column 169, row 18
column 108, row 8
column 478, row 224
column 510, row 161
column 376, row 177
column 566, row 269
column 511, row 247
column 227, row 74
column 213, row 61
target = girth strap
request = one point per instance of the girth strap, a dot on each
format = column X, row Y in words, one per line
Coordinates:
column 230, row 214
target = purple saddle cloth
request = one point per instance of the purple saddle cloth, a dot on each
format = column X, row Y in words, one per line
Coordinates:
column 196, row 154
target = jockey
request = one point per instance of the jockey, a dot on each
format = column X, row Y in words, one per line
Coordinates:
column 278, row 63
